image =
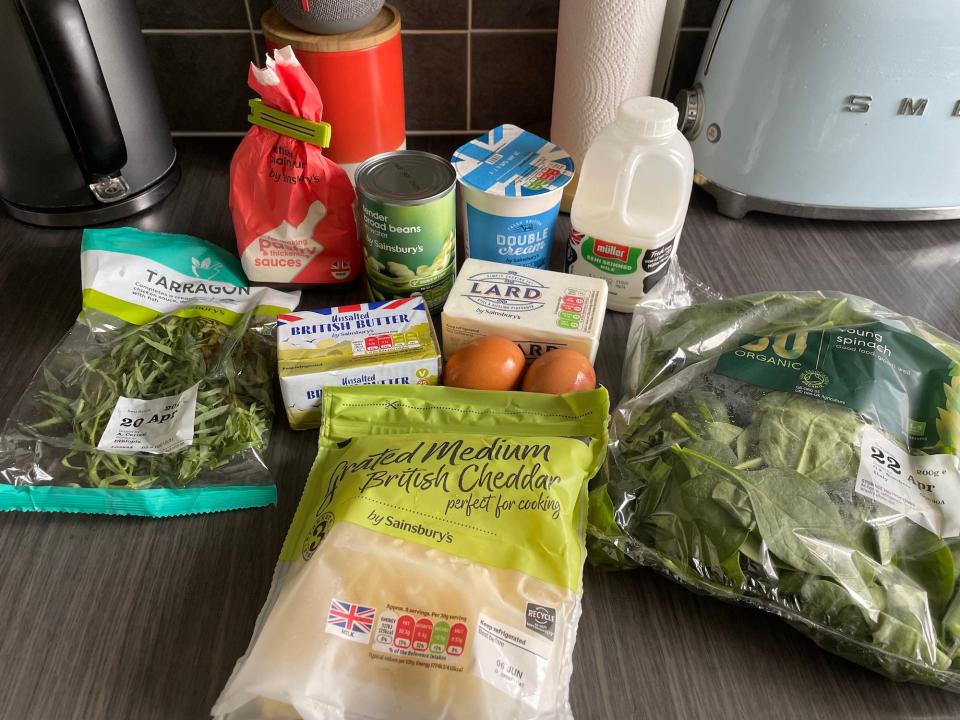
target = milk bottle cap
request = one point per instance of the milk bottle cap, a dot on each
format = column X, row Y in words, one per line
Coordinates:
column 648, row 117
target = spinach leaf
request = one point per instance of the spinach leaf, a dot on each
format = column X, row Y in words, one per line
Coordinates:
column 794, row 515
column 723, row 530
column 954, row 545
column 951, row 623
column 801, row 525
column 722, row 432
column 763, row 565
column 755, row 549
column 702, row 455
column 734, row 500
column 643, row 433
column 906, row 628
column 829, row 603
column 700, row 406
column 656, row 481
column 733, row 568
column 600, row 511
column 926, row 560
column 883, row 540
column 746, row 442
column 673, row 536
column 603, row 531
column 814, row 438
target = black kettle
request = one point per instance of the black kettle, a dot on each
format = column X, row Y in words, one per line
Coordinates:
column 83, row 137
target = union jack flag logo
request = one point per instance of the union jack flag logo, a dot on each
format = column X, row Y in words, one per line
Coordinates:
column 340, row 269
column 350, row 617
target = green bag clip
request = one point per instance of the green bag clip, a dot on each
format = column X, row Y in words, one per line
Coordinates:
column 315, row 133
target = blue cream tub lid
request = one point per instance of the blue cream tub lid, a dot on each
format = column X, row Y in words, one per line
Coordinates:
column 512, row 162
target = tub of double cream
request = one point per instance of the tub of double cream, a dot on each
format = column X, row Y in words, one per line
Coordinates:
column 511, row 182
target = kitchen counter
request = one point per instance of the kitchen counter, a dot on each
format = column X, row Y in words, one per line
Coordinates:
column 110, row 617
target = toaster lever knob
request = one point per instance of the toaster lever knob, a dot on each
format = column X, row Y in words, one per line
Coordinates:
column 690, row 103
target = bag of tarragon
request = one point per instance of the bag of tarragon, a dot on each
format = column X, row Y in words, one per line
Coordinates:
column 797, row 452
column 158, row 400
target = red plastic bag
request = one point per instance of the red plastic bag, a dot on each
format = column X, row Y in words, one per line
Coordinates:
column 292, row 207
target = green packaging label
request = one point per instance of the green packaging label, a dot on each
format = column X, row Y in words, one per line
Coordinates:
column 890, row 376
column 410, row 249
column 610, row 257
column 630, row 272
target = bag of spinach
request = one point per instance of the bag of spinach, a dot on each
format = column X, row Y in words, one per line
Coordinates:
column 797, row 452
column 158, row 400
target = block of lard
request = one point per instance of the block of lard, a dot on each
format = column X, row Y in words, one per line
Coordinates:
column 539, row 310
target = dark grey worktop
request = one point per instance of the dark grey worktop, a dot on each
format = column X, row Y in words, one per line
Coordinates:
column 115, row 618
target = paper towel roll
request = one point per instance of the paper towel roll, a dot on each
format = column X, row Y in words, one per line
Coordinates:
column 606, row 53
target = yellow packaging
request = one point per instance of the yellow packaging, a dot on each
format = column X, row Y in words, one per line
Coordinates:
column 434, row 566
column 380, row 343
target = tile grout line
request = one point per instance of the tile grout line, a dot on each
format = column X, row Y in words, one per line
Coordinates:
column 513, row 31
column 241, row 133
column 253, row 37
column 450, row 31
column 427, row 133
column 207, row 133
column 469, row 62
column 453, row 31
column 196, row 31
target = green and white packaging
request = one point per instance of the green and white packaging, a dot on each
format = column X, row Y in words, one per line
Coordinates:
column 158, row 400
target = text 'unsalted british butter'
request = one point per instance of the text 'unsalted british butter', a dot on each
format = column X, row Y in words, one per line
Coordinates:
column 380, row 343
column 539, row 310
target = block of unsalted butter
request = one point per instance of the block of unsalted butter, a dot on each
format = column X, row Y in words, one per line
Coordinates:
column 540, row 310
column 378, row 343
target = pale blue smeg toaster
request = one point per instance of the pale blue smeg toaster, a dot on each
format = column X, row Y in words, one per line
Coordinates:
column 843, row 109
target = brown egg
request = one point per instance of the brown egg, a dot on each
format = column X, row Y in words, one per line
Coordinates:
column 560, row 371
column 488, row 363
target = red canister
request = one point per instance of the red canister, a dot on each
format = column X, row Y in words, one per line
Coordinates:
column 360, row 78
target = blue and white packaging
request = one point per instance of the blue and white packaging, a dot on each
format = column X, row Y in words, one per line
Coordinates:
column 511, row 182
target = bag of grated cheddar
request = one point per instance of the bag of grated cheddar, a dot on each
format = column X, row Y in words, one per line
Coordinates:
column 434, row 566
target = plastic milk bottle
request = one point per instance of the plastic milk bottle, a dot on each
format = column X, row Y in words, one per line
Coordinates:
column 631, row 201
